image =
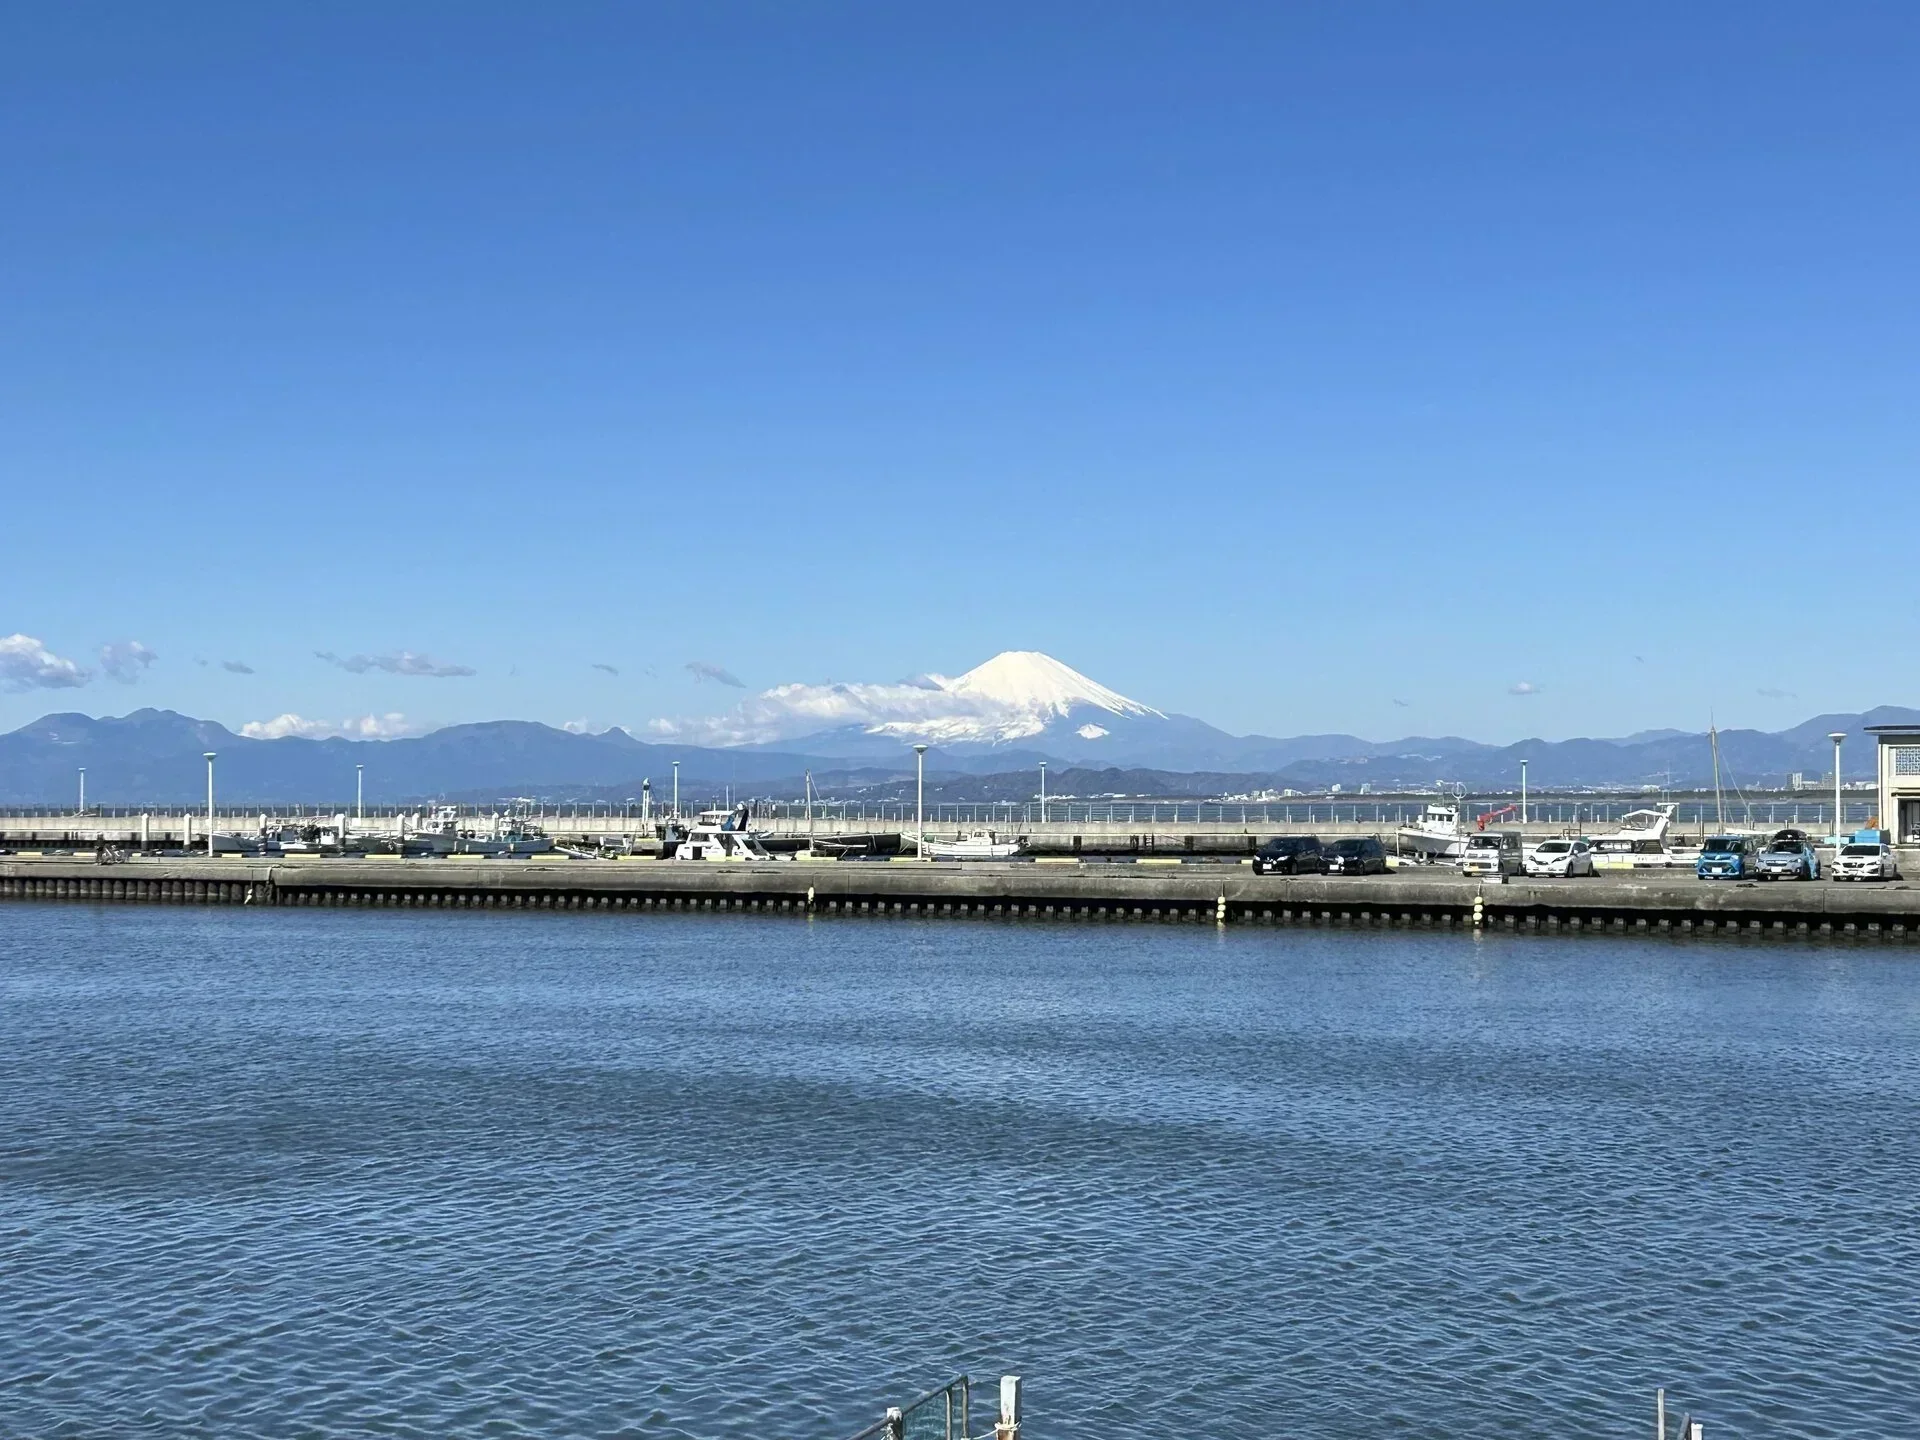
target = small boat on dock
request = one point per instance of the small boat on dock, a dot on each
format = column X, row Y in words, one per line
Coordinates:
column 1438, row 835
column 970, row 845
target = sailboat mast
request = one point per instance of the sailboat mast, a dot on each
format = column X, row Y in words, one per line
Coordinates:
column 1719, row 800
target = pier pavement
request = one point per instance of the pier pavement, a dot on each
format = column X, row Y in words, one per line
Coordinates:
column 1208, row 892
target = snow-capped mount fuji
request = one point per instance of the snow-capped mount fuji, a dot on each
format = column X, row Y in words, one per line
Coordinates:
column 1018, row 707
column 1018, row 695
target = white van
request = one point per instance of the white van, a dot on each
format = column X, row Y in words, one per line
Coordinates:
column 1492, row 852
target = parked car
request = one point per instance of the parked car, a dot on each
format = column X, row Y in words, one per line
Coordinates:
column 1493, row 852
column 1789, row 856
column 1291, row 855
column 1357, row 855
column 1727, row 857
column 1864, row 860
column 1560, row 858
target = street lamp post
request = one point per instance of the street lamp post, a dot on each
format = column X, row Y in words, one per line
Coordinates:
column 210, row 754
column 1836, row 736
column 676, row 789
column 359, row 792
column 1523, row 794
column 1043, row 792
column 83, row 789
column 919, row 802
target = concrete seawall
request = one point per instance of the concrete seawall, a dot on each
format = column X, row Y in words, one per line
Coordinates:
column 1208, row 893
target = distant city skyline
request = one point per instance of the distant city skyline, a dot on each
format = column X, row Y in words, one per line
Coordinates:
column 1493, row 371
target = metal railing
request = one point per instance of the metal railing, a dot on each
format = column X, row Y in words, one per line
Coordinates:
column 942, row 1414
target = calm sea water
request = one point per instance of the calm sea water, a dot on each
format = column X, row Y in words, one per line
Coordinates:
column 312, row 1173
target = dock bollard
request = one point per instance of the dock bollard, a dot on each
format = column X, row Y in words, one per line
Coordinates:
column 1008, row 1427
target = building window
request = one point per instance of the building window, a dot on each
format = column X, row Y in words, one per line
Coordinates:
column 1906, row 759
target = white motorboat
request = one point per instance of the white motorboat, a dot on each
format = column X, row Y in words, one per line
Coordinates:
column 718, row 835
column 1437, row 834
column 1640, row 843
column 714, row 842
column 971, row 845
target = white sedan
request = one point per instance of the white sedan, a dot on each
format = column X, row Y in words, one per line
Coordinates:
column 1560, row 857
column 1866, row 862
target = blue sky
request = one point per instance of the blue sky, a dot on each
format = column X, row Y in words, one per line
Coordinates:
column 1303, row 368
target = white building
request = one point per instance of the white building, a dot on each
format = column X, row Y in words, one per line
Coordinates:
column 1899, row 780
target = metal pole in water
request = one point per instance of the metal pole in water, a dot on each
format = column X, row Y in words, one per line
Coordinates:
column 1008, row 1426
column 1660, row 1414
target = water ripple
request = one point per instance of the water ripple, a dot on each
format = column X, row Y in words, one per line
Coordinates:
column 325, row 1174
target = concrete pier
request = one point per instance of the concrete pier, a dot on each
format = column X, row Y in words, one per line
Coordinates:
column 1201, row 893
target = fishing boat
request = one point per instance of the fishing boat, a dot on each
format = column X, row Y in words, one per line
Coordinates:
column 1437, row 834
column 445, row 833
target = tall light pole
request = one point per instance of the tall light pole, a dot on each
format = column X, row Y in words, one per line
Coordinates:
column 676, row 789
column 919, row 802
column 359, row 792
column 83, row 789
column 1836, row 736
column 210, row 754
column 1523, row 794
column 1043, row 792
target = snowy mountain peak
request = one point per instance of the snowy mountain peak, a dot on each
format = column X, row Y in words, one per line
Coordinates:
column 1028, row 681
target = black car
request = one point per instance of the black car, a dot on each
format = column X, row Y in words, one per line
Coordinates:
column 1291, row 855
column 1357, row 855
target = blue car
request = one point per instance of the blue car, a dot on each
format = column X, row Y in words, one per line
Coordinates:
column 1728, row 857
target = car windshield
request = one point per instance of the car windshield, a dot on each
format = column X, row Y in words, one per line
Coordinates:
column 1349, row 847
column 1554, row 847
column 1283, row 846
column 1723, row 844
column 1861, row 850
column 1786, row 847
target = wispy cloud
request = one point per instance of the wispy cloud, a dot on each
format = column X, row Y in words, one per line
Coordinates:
column 390, row 726
column 787, row 711
column 26, row 664
column 126, row 660
column 1772, row 694
column 406, row 662
column 701, row 670
column 1523, row 687
column 611, row 670
column 1404, row 704
column 236, row 667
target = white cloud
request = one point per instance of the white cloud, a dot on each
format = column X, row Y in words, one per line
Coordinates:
column 26, row 664
column 125, row 660
column 406, row 662
column 1523, row 687
column 235, row 667
column 791, row 710
column 391, row 726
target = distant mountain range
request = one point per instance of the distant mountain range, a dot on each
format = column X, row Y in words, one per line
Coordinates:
column 997, row 723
